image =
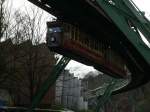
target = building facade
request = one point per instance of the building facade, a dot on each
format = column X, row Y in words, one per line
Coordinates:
column 68, row 91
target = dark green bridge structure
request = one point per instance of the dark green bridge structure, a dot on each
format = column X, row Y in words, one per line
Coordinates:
column 118, row 21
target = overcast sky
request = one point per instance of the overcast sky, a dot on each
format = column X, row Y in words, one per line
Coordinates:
column 77, row 68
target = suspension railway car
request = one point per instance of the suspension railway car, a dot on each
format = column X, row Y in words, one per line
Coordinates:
column 70, row 41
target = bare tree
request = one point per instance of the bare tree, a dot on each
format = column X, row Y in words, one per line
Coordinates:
column 28, row 62
column 29, row 26
column 3, row 27
column 2, row 24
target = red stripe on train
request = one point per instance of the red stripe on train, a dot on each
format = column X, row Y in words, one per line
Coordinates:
column 93, row 56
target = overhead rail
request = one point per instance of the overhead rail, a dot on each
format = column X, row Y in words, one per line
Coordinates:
column 130, row 21
column 118, row 22
column 101, row 89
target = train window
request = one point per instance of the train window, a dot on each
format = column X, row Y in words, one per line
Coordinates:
column 76, row 33
column 54, row 29
column 72, row 33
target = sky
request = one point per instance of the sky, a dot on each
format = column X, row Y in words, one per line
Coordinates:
column 77, row 68
column 143, row 5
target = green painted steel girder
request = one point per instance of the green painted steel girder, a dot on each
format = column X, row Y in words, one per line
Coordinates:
column 107, row 94
column 121, row 12
column 56, row 71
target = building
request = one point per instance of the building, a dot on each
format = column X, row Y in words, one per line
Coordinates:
column 26, row 67
column 68, row 91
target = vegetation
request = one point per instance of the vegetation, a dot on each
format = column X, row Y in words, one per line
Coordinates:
column 23, row 67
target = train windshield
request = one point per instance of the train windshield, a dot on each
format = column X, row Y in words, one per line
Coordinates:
column 54, row 29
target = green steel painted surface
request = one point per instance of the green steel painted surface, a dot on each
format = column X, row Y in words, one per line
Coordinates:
column 58, row 68
column 120, row 12
column 106, row 96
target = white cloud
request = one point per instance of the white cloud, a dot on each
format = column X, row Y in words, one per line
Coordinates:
column 79, row 70
column 19, row 3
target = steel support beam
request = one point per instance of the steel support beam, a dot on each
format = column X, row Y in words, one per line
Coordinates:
column 121, row 12
column 102, row 99
column 56, row 71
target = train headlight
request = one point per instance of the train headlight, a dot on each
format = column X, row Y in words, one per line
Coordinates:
column 52, row 39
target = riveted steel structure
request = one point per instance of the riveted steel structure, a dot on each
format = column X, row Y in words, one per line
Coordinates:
column 110, row 21
column 117, row 22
